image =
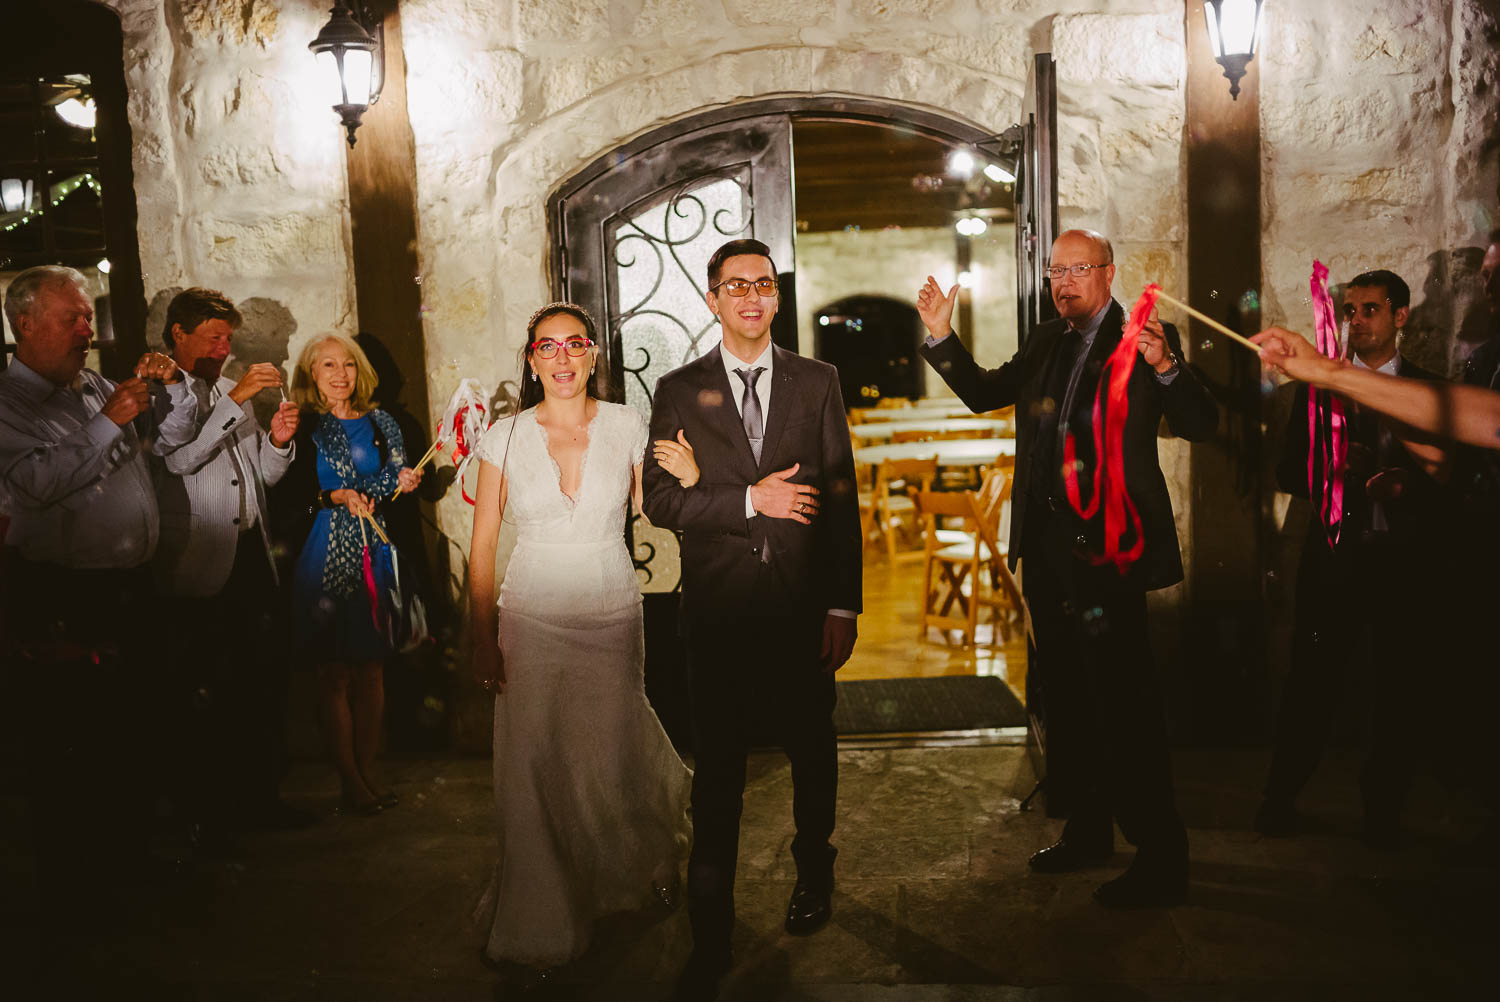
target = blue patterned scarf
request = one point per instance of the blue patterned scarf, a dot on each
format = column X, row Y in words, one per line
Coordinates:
column 343, row 572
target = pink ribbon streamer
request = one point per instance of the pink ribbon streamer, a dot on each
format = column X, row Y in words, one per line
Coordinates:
column 1327, row 440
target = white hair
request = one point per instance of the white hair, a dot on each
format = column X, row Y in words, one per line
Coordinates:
column 20, row 296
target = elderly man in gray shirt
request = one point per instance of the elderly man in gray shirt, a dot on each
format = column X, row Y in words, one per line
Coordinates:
column 74, row 589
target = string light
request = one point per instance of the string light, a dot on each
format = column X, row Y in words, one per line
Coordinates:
column 64, row 189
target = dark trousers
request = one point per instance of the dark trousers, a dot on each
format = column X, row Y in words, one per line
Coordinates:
column 1359, row 620
column 753, row 681
column 1108, row 757
column 82, row 683
column 229, row 690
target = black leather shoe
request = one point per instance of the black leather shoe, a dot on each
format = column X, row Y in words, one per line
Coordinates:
column 810, row 908
column 1064, row 856
column 700, row 978
column 1145, row 885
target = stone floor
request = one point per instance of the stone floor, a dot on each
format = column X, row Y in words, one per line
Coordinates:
column 934, row 902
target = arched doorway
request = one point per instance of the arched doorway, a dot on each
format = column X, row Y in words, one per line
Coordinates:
column 872, row 341
column 839, row 189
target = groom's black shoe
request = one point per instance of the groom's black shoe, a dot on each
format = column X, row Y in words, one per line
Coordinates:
column 1068, row 854
column 700, row 978
column 810, row 907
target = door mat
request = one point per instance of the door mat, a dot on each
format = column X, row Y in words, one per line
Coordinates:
column 945, row 703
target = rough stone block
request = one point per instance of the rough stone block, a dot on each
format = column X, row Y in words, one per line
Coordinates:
column 272, row 245
column 231, row 21
column 459, row 94
column 574, row 22
column 778, row 13
column 1144, row 50
column 932, row 11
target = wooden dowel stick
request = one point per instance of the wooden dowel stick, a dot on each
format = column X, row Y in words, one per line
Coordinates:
column 1210, row 321
column 431, row 451
column 376, row 526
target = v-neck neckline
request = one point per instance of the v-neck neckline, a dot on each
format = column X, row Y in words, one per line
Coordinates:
column 583, row 461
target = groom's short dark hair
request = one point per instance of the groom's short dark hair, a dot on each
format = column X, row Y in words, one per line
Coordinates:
column 733, row 249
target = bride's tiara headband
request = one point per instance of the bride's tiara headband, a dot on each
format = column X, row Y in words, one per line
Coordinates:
column 562, row 307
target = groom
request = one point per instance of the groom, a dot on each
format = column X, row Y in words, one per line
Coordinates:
column 770, row 587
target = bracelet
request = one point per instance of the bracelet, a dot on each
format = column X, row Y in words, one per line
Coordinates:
column 325, row 499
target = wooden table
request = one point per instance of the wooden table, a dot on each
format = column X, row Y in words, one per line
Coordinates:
column 931, row 413
column 949, row 452
column 885, row 429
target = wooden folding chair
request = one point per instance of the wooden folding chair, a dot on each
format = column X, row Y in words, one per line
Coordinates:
column 896, row 480
column 973, row 554
column 951, row 568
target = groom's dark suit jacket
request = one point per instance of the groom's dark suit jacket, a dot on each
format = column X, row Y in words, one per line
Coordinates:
column 809, row 568
column 1031, row 380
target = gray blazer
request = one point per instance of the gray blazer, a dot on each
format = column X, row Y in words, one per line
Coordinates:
column 198, row 491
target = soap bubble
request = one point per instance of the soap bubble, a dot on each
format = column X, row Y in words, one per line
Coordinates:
column 1213, row 294
column 1207, row 344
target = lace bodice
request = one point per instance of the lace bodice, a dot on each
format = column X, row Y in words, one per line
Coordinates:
column 536, row 503
column 568, row 550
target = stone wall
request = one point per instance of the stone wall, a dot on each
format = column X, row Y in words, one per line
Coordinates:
column 239, row 170
column 509, row 99
column 1378, row 150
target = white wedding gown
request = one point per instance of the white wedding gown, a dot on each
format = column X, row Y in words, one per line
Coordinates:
column 590, row 796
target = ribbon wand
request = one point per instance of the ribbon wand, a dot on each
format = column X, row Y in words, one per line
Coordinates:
column 1210, row 321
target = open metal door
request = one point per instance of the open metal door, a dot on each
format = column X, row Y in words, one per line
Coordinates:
column 1036, row 195
column 632, row 237
column 1036, row 228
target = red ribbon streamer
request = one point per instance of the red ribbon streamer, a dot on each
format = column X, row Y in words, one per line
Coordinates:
column 461, row 450
column 1326, row 438
column 1109, row 446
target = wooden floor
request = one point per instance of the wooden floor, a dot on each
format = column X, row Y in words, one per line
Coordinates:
column 888, row 644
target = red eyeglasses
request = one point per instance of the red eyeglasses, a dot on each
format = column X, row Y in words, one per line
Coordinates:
column 575, row 346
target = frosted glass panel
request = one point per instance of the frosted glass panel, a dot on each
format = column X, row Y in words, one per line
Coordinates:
column 659, row 261
column 660, row 257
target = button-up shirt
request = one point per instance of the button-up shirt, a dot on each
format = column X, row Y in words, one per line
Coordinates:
column 80, row 492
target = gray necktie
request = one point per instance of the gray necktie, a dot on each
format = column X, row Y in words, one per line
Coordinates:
column 750, row 410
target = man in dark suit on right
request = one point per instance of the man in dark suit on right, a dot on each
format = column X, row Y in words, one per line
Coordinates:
column 1106, row 735
column 1348, row 624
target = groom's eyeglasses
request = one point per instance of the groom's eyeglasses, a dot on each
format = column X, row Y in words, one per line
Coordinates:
column 575, row 346
column 738, row 287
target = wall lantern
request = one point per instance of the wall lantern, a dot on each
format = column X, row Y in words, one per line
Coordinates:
column 15, row 194
column 1233, row 32
column 351, row 62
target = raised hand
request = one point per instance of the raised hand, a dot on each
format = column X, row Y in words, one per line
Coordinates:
column 778, row 497
column 129, row 401
column 1153, row 344
column 155, row 365
column 936, row 309
column 284, row 424
column 677, row 458
column 260, row 376
column 1291, row 353
column 407, row 480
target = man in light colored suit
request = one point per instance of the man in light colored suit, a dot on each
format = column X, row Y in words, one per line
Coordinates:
column 215, row 564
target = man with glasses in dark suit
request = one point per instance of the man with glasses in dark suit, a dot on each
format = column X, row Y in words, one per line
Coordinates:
column 1091, row 663
column 771, row 585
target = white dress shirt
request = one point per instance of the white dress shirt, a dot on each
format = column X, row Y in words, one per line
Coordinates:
column 80, row 490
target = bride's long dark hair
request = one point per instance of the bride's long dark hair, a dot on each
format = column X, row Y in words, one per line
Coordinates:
column 531, row 387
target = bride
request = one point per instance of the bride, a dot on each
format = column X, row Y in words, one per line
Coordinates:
column 590, row 796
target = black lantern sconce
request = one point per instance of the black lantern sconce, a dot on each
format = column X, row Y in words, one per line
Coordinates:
column 1234, row 33
column 351, row 61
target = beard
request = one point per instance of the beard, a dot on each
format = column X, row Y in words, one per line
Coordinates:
column 208, row 369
